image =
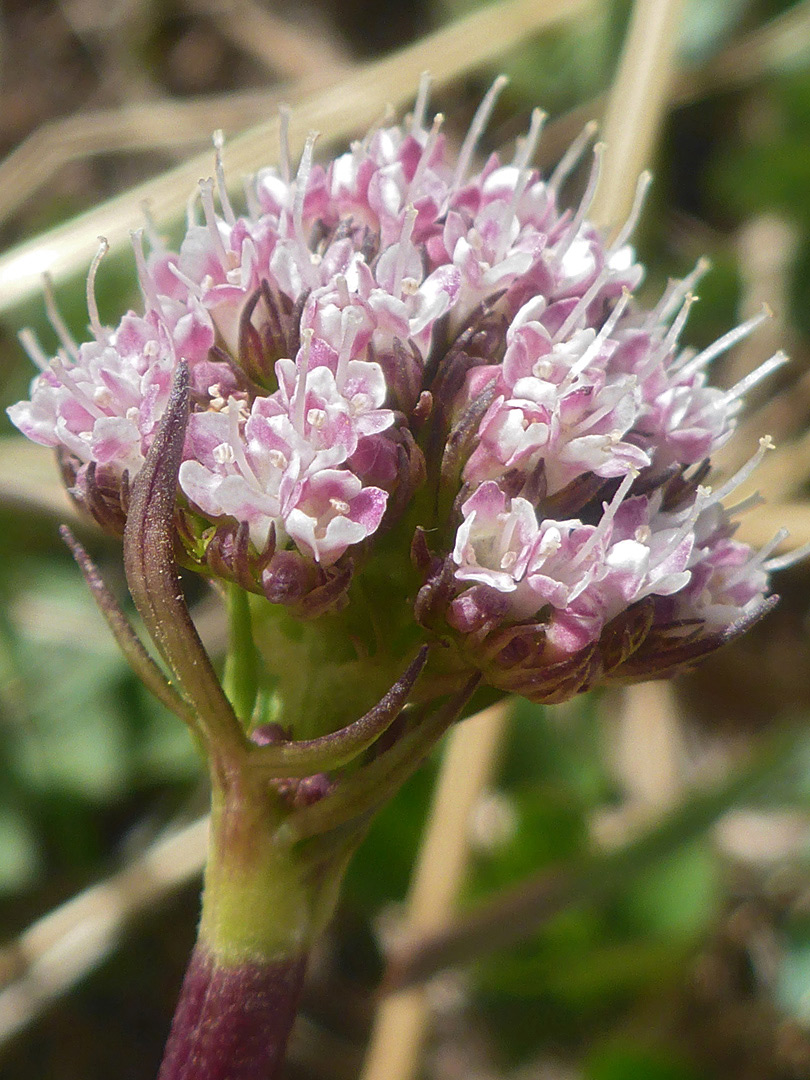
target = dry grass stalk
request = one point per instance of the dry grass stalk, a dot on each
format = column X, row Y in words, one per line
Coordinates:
column 69, row 942
column 402, row 1020
column 636, row 106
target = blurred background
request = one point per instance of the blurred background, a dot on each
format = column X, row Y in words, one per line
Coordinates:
column 671, row 821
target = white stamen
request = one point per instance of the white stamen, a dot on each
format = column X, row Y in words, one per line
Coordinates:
column 249, row 259
column 571, row 157
column 671, row 336
column 207, row 200
column 601, row 337
column 219, row 169
column 284, row 158
column 351, row 321
column 278, row 460
column 403, row 250
column 508, row 560
column 424, row 158
column 624, row 234
column 742, row 474
column 316, row 418
column 191, row 208
column 585, row 203
column 56, row 320
column 99, row 333
column 67, row 380
column 781, row 562
column 578, row 312
column 744, row 505
column 150, row 293
column 510, row 214
column 526, row 146
column 479, row 122
column 724, row 343
column 608, row 514
column 420, row 105
column 302, row 370
column 251, row 198
column 301, row 181
column 236, row 444
column 343, row 290
column 779, row 359
column 36, row 353
column 676, row 289
column 194, row 287
column 340, row 506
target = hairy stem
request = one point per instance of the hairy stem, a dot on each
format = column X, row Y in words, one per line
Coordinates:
column 233, row 1021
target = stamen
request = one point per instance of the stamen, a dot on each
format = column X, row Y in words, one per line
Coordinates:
column 207, row 200
column 782, row 562
column 403, row 250
column 343, row 290
column 420, row 105
column 150, row 293
column 601, row 337
column 571, row 157
column 724, row 343
column 351, row 321
column 235, row 440
column 302, row 370
column 301, row 181
column 67, row 380
column 56, row 320
column 219, row 169
column 582, row 305
column 674, row 331
column 99, row 333
column 526, row 146
column 194, row 287
column 585, row 203
column 608, row 514
column 422, row 164
column 510, row 213
column 642, row 187
column 284, row 157
column 36, row 353
column 249, row 260
column 192, row 219
column 479, row 123
column 745, row 504
column 742, row 474
column 251, row 198
column 675, row 290
column 779, row 359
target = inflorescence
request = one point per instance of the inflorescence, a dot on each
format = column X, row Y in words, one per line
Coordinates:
column 397, row 342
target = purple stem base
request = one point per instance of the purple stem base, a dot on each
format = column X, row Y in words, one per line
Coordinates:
column 233, row 1022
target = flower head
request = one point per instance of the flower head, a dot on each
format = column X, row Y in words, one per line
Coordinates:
column 396, row 342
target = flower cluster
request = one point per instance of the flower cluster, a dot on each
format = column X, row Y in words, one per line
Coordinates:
column 395, row 341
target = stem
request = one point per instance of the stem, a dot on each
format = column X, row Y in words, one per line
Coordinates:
column 262, row 907
column 233, row 1022
column 241, row 680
